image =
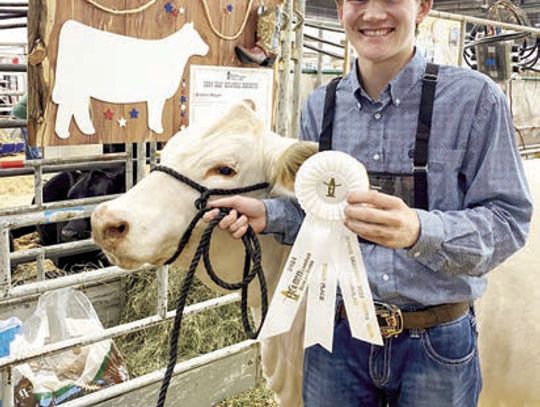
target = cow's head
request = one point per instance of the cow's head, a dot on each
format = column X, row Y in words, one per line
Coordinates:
column 145, row 224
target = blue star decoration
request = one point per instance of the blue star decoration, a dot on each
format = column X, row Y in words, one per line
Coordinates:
column 169, row 7
column 183, row 99
column 134, row 113
column 230, row 8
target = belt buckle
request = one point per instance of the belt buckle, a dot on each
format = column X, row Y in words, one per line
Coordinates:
column 390, row 319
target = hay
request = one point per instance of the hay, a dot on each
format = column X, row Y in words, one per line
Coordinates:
column 147, row 350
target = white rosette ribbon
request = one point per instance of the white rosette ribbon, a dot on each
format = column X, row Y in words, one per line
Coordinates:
column 324, row 255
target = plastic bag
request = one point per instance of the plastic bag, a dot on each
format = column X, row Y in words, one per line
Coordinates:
column 52, row 380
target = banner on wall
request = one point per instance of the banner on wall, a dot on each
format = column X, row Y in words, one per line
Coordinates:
column 214, row 88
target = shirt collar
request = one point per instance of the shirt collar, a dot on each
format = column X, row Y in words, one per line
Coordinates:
column 398, row 87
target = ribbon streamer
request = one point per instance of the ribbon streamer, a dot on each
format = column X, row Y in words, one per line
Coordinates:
column 324, row 255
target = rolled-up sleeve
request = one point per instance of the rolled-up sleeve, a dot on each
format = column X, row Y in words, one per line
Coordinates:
column 497, row 206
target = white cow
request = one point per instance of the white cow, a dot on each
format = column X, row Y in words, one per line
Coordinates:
column 118, row 69
column 145, row 225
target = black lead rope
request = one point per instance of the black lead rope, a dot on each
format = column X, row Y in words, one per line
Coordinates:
column 252, row 256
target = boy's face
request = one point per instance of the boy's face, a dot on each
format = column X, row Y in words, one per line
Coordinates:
column 382, row 30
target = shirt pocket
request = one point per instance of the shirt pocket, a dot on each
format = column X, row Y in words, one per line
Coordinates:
column 445, row 180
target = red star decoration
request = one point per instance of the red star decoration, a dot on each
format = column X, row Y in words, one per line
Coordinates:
column 108, row 114
column 175, row 12
column 15, row 60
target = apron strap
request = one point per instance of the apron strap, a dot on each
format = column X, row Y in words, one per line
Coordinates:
column 423, row 131
column 325, row 139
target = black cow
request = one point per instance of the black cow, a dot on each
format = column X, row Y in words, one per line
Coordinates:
column 75, row 185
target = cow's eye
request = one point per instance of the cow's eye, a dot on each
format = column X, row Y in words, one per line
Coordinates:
column 226, row 171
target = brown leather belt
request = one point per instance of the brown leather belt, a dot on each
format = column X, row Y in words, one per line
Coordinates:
column 393, row 321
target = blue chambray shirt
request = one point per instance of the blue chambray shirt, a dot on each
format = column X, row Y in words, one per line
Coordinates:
column 479, row 204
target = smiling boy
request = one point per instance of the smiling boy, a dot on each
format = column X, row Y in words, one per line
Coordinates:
column 453, row 203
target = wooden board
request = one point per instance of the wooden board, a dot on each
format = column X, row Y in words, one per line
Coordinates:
column 45, row 20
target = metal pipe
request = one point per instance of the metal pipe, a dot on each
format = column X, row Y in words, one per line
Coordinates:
column 12, row 123
column 283, row 97
column 5, row 266
column 129, row 165
column 68, row 248
column 324, row 26
column 162, row 288
column 109, row 333
column 9, row 172
column 157, row 376
column 13, row 15
column 52, row 212
column 72, row 160
column 483, row 21
column 38, row 185
column 318, row 81
column 463, row 32
column 8, row 396
column 318, row 39
column 141, row 161
column 300, row 8
column 330, row 54
column 73, row 280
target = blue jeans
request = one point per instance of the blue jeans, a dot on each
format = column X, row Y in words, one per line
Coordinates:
column 435, row 367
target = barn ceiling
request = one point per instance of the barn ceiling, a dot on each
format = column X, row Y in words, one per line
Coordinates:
column 477, row 8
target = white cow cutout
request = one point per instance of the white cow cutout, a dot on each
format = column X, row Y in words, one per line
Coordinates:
column 118, row 69
column 158, row 210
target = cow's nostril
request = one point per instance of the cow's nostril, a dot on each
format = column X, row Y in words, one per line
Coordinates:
column 116, row 231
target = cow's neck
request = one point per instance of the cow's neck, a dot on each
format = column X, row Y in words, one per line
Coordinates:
column 227, row 256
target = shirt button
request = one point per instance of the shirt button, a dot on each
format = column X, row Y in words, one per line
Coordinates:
column 358, row 105
column 377, row 116
column 376, row 156
column 397, row 102
column 416, row 254
column 385, row 277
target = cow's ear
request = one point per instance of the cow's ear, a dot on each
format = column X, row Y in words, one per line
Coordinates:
column 287, row 165
column 240, row 119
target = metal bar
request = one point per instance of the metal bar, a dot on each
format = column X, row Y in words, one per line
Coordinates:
column 73, row 280
column 283, row 98
column 8, row 399
column 7, row 27
column 9, row 172
column 5, row 267
column 73, row 209
column 162, row 287
column 153, row 153
column 129, row 165
column 347, row 58
column 318, row 39
column 40, row 267
column 484, row 21
column 50, row 213
column 463, row 32
column 81, row 246
column 12, row 123
column 324, row 26
column 73, row 160
column 13, row 15
column 141, row 161
column 4, row 9
column 11, row 93
column 300, row 8
column 156, row 376
column 113, row 332
column 318, row 81
column 330, row 54
column 38, row 185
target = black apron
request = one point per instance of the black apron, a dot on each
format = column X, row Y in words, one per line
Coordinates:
column 411, row 187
